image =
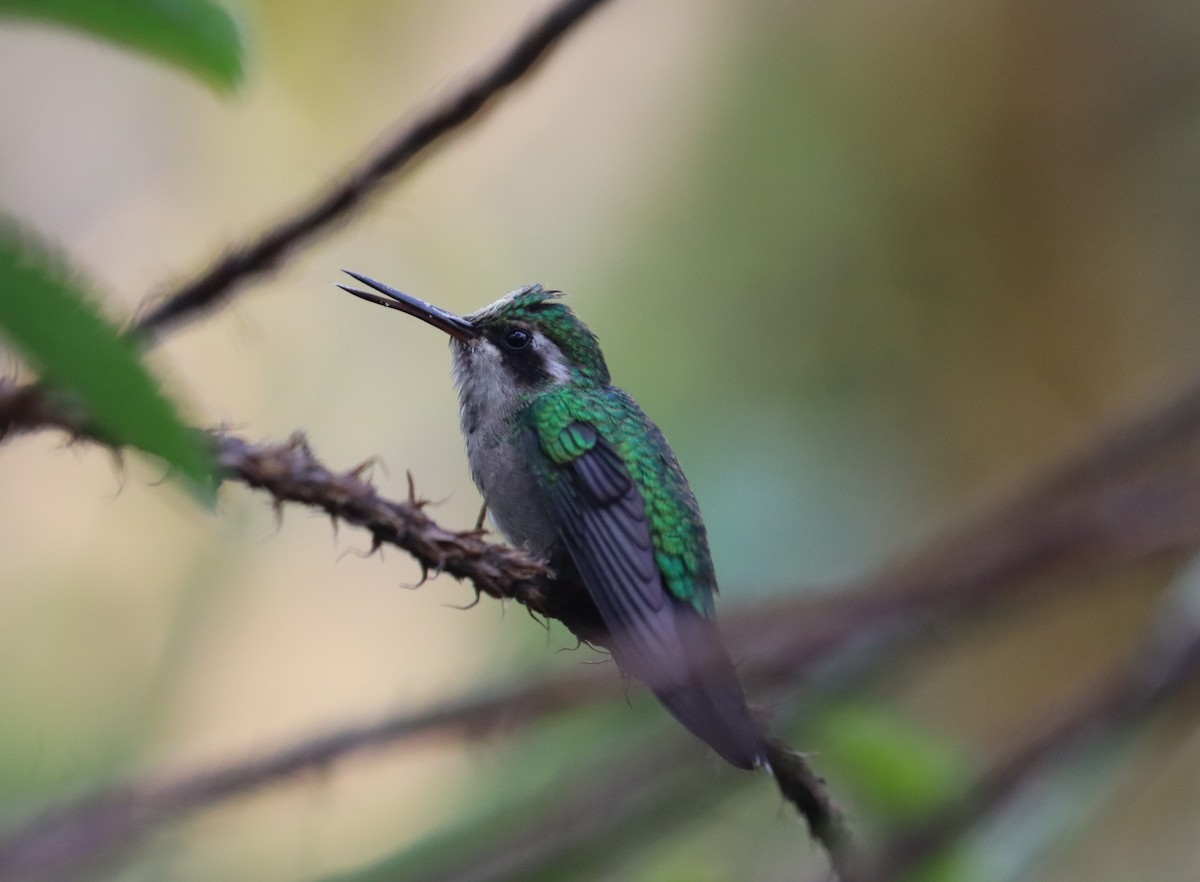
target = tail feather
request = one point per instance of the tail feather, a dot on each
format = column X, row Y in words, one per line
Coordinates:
column 711, row 704
column 719, row 717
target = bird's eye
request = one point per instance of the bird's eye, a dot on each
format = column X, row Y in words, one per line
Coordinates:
column 517, row 338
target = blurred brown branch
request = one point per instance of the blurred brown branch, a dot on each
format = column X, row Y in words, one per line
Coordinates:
column 68, row 838
column 217, row 284
column 24, row 407
column 1167, row 660
column 1133, row 495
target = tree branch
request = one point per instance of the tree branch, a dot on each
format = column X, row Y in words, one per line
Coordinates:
column 290, row 473
column 66, row 839
column 216, row 285
column 27, row 407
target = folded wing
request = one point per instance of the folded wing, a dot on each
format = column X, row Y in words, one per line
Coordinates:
column 658, row 639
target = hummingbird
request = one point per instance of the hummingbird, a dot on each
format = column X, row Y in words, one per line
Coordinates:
column 572, row 470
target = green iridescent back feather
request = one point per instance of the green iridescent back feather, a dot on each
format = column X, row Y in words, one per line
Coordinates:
column 676, row 528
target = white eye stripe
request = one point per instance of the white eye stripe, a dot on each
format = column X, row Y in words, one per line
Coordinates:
column 555, row 361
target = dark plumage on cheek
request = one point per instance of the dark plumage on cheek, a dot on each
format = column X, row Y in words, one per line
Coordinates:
column 526, row 366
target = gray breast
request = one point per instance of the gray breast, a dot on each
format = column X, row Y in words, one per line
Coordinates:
column 490, row 401
column 508, row 486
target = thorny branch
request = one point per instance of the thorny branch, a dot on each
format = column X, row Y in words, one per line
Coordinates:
column 289, row 472
column 1134, row 495
column 216, row 285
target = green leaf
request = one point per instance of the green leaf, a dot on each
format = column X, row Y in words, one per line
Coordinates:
column 899, row 771
column 44, row 314
column 200, row 36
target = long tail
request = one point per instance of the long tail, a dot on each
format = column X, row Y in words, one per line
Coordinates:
column 710, row 701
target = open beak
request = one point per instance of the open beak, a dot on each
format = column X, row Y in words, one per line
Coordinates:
column 454, row 325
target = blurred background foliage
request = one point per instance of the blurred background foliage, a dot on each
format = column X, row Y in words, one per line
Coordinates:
column 872, row 266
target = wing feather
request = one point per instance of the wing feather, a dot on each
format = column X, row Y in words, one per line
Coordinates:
column 669, row 646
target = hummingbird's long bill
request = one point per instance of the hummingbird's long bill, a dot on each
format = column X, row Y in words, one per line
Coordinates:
column 454, row 325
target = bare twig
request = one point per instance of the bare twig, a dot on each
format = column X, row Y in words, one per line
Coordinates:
column 219, row 282
column 801, row 785
column 25, row 407
column 59, row 843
